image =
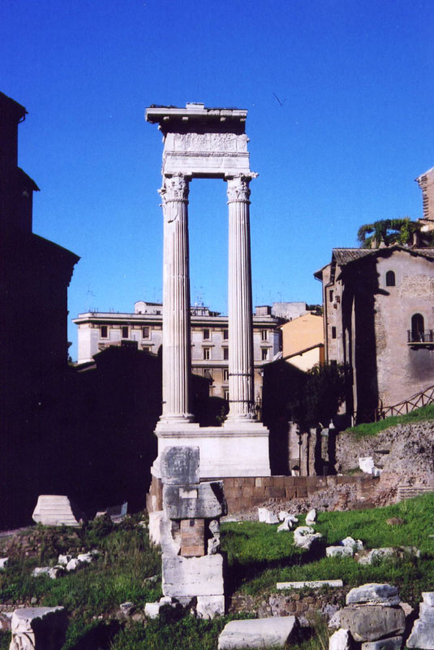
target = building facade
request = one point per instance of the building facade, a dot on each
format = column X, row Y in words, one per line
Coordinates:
column 209, row 339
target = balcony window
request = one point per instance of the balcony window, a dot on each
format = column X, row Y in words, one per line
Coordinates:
column 418, row 335
column 207, row 354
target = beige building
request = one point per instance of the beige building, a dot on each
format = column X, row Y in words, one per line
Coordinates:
column 303, row 341
column 209, row 339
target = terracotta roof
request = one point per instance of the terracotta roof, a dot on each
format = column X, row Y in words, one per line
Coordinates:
column 344, row 256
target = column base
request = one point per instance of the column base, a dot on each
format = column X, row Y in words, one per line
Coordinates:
column 236, row 449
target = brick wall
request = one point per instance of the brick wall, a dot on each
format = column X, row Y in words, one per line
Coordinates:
column 247, row 492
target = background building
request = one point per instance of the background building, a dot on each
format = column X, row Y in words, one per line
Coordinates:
column 209, row 339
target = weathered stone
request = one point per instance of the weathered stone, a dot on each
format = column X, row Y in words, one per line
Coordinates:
column 366, row 464
column 180, row 465
column 377, row 555
column 374, row 592
column 339, row 551
column 40, row 571
column 74, row 564
column 154, row 526
column 38, row 627
column 152, row 610
column 4, row 561
column 373, row 622
column 393, row 643
column 54, row 510
column 87, row 558
column 265, row 516
column 311, row 517
column 126, row 608
column 305, row 536
column 205, row 501
column 195, row 576
column 340, row 640
column 273, row 632
column 210, row 606
column 56, row 572
column 426, row 613
column 428, row 598
column 170, row 536
column 312, row 584
column 422, row 636
column 355, row 544
column 64, row 559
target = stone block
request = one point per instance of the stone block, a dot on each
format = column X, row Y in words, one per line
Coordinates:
column 56, row 510
column 266, row 516
column 194, row 576
column 273, row 632
column 312, row 584
column 426, row 613
column 422, row 636
column 428, row 598
column 38, row 627
column 305, row 536
column 340, row 640
column 210, row 606
column 170, row 536
column 155, row 526
column 373, row 622
column 339, row 551
column 180, row 465
column 374, row 592
column 205, row 501
column 192, row 537
column 393, row 643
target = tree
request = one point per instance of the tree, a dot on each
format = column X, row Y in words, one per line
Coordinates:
column 324, row 390
column 388, row 231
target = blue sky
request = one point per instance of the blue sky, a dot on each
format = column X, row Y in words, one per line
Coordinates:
column 352, row 130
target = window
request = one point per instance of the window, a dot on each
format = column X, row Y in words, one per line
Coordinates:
column 124, row 332
column 264, row 354
column 103, row 331
column 390, row 279
column 207, row 354
column 206, row 335
column 225, row 374
column 225, row 335
column 417, row 328
column 264, row 335
column 146, row 332
column 331, row 295
column 226, row 395
column 225, row 354
column 333, row 332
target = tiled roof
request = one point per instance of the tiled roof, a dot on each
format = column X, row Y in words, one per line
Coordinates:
column 344, row 256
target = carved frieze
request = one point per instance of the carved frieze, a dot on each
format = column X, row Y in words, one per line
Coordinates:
column 205, row 143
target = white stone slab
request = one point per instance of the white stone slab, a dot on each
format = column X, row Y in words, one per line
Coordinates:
column 340, row 640
column 232, row 450
column 56, row 510
column 210, row 606
column 312, row 584
column 193, row 576
column 265, row 516
column 258, row 633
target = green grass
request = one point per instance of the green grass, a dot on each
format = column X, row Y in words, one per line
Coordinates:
column 257, row 558
column 373, row 428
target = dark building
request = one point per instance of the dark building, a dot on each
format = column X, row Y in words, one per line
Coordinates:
column 34, row 278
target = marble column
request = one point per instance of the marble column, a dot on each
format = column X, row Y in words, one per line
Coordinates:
column 176, row 301
column 241, row 387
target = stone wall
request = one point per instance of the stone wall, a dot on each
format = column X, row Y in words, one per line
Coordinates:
column 247, row 492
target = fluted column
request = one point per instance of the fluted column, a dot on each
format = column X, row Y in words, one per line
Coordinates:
column 241, row 388
column 176, row 301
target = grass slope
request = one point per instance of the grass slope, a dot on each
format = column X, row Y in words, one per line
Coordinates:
column 373, row 428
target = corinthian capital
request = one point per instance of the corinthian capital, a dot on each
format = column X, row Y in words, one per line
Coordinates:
column 175, row 188
column 238, row 187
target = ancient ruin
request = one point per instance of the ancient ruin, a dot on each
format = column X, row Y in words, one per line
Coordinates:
column 201, row 142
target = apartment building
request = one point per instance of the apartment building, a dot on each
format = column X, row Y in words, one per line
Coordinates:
column 209, row 339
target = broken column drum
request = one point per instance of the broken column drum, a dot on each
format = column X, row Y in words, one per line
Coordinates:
column 205, row 143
